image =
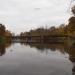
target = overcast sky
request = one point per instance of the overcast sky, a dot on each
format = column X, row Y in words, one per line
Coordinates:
column 23, row 15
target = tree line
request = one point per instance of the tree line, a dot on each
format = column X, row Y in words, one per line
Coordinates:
column 63, row 29
column 4, row 34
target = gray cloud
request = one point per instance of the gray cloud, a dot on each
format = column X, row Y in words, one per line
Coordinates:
column 23, row 15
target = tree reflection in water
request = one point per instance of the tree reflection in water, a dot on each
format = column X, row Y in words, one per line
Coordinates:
column 71, row 53
column 63, row 48
column 3, row 47
column 46, row 47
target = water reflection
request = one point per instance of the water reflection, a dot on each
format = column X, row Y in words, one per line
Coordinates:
column 71, row 53
column 3, row 47
column 63, row 48
column 70, row 50
column 43, row 47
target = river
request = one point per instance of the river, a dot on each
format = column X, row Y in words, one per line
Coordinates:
column 36, row 59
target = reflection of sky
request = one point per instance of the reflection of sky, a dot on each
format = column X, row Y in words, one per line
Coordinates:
column 23, row 15
column 24, row 60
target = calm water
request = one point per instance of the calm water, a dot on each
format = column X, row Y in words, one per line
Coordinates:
column 36, row 59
